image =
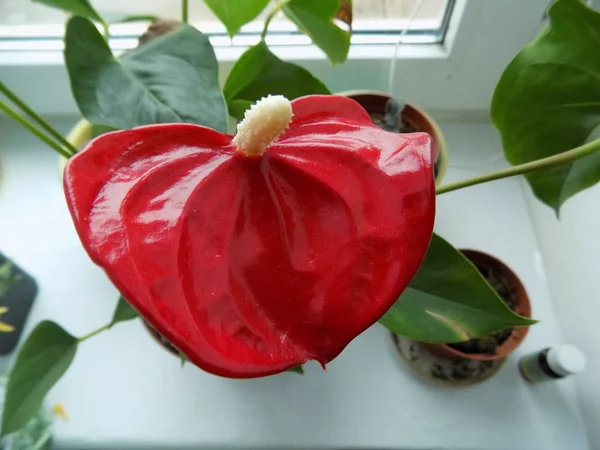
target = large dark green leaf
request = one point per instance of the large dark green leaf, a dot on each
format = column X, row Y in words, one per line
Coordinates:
column 78, row 7
column 236, row 13
column 43, row 359
column 548, row 101
column 172, row 78
column 259, row 73
column 123, row 312
column 449, row 301
column 315, row 19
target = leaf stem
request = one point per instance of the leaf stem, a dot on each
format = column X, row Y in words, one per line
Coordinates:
column 94, row 333
column 25, row 123
column 106, row 28
column 184, row 11
column 544, row 163
column 278, row 7
column 33, row 115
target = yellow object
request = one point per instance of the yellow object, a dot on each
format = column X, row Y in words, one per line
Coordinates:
column 60, row 411
column 4, row 327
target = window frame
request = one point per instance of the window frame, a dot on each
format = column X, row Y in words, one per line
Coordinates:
column 456, row 74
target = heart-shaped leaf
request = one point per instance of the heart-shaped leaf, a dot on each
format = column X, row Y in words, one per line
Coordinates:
column 123, row 312
column 259, row 73
column 254, row 265
column 548, row 101
column 315, row 18
column 449, row 301
column 77, row 7
column 44, row 358
column 172, row 78
column 236, row 13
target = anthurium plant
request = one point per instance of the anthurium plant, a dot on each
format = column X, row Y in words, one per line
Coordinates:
column 255, row 252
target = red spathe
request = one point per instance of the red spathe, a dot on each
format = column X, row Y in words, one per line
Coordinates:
column 252, row 266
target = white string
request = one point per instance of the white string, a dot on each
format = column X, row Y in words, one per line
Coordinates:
column 398, row 42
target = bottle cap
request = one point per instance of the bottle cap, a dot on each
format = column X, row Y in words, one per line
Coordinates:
column 566, row 360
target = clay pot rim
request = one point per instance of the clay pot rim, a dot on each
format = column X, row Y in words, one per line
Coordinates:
column 518, row 334
column 437, row 133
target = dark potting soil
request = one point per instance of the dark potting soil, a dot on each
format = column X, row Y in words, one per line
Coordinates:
column 508, row 293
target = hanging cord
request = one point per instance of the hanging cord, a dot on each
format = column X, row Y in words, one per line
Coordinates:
column 398, row 42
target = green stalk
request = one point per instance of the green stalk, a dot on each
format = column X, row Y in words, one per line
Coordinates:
column 540, row 164
column 25, row 123
column 94, row 333
column 184, row 11
column 106, row 29
column 33, row 115
column 270, row 17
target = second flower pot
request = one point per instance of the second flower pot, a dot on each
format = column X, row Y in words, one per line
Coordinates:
column 511, row 290
column 410, row 118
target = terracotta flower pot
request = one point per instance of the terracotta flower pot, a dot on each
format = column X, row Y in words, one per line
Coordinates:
column 521, row 305
column 375, row 103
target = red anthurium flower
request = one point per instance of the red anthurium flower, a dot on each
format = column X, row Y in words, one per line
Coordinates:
column 256, row 253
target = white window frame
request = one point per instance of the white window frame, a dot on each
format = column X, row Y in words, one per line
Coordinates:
column 458, row 74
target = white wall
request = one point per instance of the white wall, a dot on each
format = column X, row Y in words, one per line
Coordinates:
column 571, row 250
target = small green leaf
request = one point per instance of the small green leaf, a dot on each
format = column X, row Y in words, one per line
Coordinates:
column 182, row 357
column 236, row 13
column 98, row 130
column 172, row 78
column 138, row 18
column 43, row 359
column 548, row 101
column 449, row 301
column 298, row 369
column 77, row 7
column 259, row 73
column 315, row 19
column 123, row 312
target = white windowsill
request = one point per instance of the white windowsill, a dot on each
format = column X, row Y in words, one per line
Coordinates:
column 137, row 395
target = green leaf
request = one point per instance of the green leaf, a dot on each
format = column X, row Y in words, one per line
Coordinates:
column 98, row 130
column 77, row 7
column 123, row 312
column 138, row 18
column 548, row 101
column 315, row 19
column 182, row 358
column 236, row 13
column 43, row 359
column 259, row 73
column 172, row 78
column 449, row 301
column 298, row 369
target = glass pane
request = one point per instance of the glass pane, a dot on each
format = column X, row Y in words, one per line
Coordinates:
column 368, row 14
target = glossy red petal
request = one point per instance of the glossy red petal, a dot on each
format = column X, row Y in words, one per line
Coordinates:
column 251, row 266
